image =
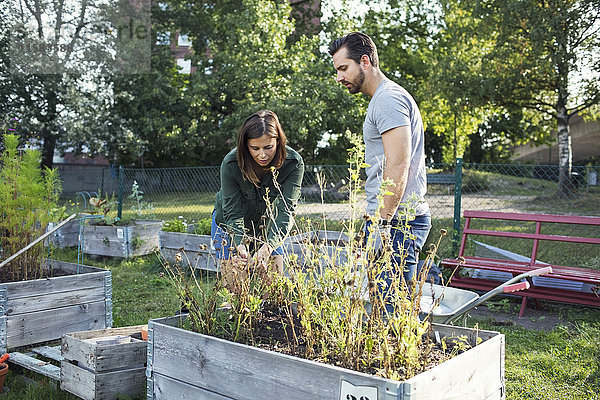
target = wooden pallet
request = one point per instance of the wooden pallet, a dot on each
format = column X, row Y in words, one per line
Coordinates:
column 31, row 361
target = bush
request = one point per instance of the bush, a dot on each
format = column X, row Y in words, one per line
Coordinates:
column 475, row 181
column 28, row 202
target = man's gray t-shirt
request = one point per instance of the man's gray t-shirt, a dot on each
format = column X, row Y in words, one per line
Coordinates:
column 392, row 106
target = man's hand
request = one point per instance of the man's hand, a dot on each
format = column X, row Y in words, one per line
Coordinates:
column 380, row 236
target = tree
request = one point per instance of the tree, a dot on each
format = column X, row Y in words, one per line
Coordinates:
column 56, row 46
column 245, row 62
column 544, row 58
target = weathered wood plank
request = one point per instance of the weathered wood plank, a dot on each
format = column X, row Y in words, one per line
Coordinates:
column 474, row 374
column 77, row 380
column 122, row 241
column 59, row 284
column 41, row 326
column 103, row 386
column 73, row 268
column 24, row 305
column 187, row 241
column 148, row 234
column 196, row 249
column 67, row 236
column 51, row 352
column 203, row 259
column 206, row 362
column 255, row 374
column 81, row 347
column 35, row 365
column 166, row 388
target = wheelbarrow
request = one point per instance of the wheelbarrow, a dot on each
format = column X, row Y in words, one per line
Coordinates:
column 444, row 304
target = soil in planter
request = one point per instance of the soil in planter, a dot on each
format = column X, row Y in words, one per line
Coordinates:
column 6, row 276
column 273, row 331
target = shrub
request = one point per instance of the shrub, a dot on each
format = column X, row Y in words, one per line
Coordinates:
column 28, row 202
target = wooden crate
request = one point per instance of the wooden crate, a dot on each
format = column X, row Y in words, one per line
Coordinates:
column 104, row 364
column 183, row 364
column 67, row 236
column 328, row 247
column 125, row 241
column 41, row 310
column 196, row 249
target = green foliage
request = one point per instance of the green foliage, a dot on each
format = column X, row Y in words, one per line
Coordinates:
column 179, row 225
column 28, row 201
column 329, row 308
column 475, row 181
column 141, row 208
column 203, row 226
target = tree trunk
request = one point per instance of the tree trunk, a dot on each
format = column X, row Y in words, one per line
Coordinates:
column 565, row 154
column 50, row 128
column 48, row 147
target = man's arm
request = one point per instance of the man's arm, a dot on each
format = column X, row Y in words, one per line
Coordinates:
column 397, row 150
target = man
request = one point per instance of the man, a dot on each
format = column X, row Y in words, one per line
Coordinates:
column 394, row 149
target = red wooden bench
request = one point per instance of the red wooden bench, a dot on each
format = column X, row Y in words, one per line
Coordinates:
column 583, row 275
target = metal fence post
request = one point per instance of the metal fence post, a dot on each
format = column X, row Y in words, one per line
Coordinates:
column 457, row 204
column 120, row 198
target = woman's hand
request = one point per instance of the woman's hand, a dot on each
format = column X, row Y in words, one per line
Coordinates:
column 242, row 251
column 263, row 254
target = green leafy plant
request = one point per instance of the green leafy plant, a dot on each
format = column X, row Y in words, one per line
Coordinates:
column 141, row 208
column 104, row 207
column 202, row 227
column 179, row 225
column 28, row 202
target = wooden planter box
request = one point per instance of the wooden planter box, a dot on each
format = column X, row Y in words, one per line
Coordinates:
column 197, row 249
column 67, row 236
column 103, row 364
column 124, row 241
column 44, row 309
column 329, row 247
column 183, row 364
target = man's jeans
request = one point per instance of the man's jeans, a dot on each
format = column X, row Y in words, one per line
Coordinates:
column 407, row 241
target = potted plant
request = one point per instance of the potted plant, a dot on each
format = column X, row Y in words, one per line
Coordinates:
column 322, row 331
column 40, row 299
column 107, row 235
column 189, row 243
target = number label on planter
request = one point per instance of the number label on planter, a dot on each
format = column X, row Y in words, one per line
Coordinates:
column 120, row 233
column 352, row 392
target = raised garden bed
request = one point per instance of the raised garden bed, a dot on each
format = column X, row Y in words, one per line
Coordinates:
column 184, row 364
column 104, row 364
column 197, row 249
column 67, row 236
column 41, row 310
column 137, row 239
column 328, row 246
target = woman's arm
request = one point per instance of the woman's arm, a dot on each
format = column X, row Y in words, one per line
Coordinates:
column 234, row 206
column 285, row 205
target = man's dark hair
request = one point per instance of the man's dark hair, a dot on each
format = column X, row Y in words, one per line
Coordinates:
column 357, row 44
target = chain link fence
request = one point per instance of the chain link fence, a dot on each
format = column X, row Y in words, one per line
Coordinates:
column 189, row 193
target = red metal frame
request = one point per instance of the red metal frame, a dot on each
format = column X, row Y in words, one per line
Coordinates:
column 516, row 267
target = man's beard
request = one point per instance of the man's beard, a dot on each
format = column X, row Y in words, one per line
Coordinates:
column 356, row 87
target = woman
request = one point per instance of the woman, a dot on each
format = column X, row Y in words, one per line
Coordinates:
column 260, row 188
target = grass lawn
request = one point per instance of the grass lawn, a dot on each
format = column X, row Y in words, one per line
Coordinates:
column 563, row 363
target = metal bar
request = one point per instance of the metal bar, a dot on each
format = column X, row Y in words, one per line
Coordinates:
column 523, row 235
column 538, row 230
column 457, row 203
column 120, row 198
column 36, row 241
column 559, row 219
